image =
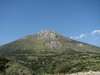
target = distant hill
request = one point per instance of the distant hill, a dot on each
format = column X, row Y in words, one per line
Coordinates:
column 50, row 52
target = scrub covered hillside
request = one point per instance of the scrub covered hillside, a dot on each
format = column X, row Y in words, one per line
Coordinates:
column 48, row 52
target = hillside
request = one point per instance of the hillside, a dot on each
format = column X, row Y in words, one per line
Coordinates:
column 49, row 52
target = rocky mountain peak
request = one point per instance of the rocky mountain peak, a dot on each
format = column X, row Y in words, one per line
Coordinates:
column 47, row 35
column 50, row 38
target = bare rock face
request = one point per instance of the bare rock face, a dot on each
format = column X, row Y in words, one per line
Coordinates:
column 47, row 35
column 54, row 44
column 50, row 38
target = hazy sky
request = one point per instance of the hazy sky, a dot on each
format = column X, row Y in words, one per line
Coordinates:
column 78, row 19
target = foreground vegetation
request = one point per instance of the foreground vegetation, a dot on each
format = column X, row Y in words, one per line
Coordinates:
column 64, row 63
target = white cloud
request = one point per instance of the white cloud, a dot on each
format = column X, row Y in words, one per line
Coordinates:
column 82, row 36
column 92, row 37
column 95, row 32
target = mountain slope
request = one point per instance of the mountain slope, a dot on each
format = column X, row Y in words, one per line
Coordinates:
column 50, row 52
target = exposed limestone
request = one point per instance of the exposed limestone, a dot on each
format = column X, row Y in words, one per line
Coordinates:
column 50, row 38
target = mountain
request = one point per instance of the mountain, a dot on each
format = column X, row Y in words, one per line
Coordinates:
column 49, row 52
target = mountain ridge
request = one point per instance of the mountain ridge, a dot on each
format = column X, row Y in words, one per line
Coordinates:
column 50, row 52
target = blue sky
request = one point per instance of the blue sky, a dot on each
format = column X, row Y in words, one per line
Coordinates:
column 78, row 19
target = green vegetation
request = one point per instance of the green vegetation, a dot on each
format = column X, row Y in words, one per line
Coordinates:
column 35, row 55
